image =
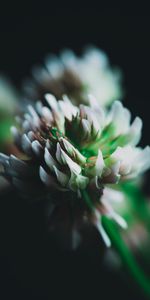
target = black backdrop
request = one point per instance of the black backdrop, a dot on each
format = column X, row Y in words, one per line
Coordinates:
column 31, row 267
column 28, row 35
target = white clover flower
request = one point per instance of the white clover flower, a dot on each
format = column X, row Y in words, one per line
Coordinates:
column 76, row 77
column 72, row 148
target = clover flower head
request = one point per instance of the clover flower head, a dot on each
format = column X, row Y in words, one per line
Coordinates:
column 76, row 77
column 70, row 148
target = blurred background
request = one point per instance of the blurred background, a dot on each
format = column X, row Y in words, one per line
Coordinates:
column 31, row 266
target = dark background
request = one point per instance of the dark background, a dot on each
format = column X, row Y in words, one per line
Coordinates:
column 31, row 267
column 27, row 34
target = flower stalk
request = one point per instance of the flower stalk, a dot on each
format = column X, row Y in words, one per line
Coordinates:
column 122, row 249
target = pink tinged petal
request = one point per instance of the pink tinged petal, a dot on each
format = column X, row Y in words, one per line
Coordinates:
column 61, row 177
column 50, row 160
column 135, row 131
column 37, row 148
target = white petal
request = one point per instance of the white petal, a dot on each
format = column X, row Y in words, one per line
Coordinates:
column 119, row 220
column 26, row 144
column 46, row 113
column 144, row 159
column 120, row 118
column 39, row 107
column 124, row 155
column 99, row 164
column 37, row 148
column 74, row 109
column 58, row 153
column 93, row 102
column 71, row 164
column 112, row 195
column 82, row 181
column 100, row 228
column 66, row 110
column 86, row 128
column 49, row 160
column 72, row 150
column 46, row 179
column 135, row 131
column 34, row 115
column 31, row 136
column 61, row 177
column 51, row 100
column 16, row 134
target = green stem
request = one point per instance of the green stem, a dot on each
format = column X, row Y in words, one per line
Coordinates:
column 122, row 249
